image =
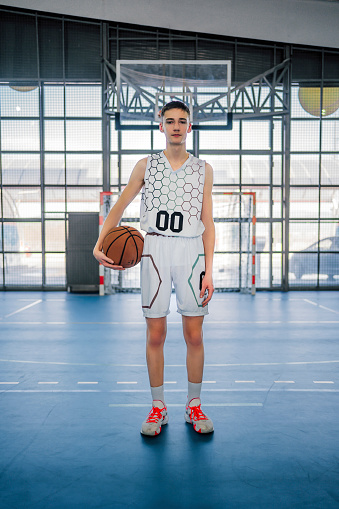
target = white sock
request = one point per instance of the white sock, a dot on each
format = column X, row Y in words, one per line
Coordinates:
column 158, row 396
column 194, row 391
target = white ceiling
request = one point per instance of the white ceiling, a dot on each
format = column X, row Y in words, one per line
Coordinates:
column 306, row 22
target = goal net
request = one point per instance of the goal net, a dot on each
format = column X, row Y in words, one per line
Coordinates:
column 234, row 258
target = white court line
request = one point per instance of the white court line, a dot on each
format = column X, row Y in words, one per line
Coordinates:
column 170, row 382
column 9, row 383
column 297, row 363
column 321, row 306
column 88, row 383
column 48, row 383
column 22, row 309
column 144, row 405
column 284, row 382
column 123, row 383
column 208, row 322
column 209, row 381
column 322, row 382
column 3, row 391
column 244, row 381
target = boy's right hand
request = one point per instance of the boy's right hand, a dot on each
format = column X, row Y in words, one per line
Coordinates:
column 105, row 261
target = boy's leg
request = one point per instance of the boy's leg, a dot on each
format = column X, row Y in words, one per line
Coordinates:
column 192, row 328
column 155, row 339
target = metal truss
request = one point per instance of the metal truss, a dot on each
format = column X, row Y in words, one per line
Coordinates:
column 260, row 97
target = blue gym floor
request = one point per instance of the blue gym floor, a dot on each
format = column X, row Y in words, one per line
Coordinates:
column 74, row 392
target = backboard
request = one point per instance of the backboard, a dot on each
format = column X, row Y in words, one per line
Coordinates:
column 144, row 86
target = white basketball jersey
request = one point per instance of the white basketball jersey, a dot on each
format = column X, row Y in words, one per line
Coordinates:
column 171, row 200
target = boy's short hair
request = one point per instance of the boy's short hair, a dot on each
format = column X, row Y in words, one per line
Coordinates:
column 175, row 105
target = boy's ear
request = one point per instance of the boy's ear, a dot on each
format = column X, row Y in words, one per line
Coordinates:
column 189, row 128
column 161, row 129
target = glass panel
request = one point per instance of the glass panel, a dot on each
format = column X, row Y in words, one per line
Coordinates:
column 1, row 270
column 256, row 135
column 22, row 202
column 246, row 237
column 11, row 239
column 114, row 170
column 262, row 237
column 305, row 169
column 84, row 135
column 303, row 235
column 330, row 136
column 137, row 140
column 303, row 268
column 131, row 278
column 329, row 205
column 21, row 270
column 19, row 103
column 255, row 169
column 329, row 266
column 225, row 168
column 54, row 101
column 226, row 270
column 54, row 135
column 277, row 170
column 262, row 270
column 20, row 169
column 55, row 236
column 297, row 110
column 55, row 169
column 262, row 200
column 133, row 209
column 220, row 140
column 20, row 135
column 54, row 199
column 276, row 269
column 127, row 164
column 84, row 169
column 330, row 169
column 305, row 136
column 227, row 236
column 304, row 202
column 83, row 101
column 277, row 202
column 83, row 199
column 55, row 269
column 277, row 237
column 329, row 229
column 24, row 237
column 114, row 138
column 277, row 135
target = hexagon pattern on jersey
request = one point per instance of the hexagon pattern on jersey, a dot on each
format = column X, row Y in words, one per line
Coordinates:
column 175, row 190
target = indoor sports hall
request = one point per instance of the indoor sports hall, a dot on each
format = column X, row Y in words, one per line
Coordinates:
column 82, row 87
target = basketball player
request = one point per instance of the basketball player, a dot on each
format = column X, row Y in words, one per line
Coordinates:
column 176, row 213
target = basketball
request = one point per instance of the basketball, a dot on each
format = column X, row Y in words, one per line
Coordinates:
column 124, row 245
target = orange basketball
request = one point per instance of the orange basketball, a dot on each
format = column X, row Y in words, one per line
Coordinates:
column 124, row 245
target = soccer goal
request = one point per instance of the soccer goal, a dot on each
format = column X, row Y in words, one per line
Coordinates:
column 234, row 260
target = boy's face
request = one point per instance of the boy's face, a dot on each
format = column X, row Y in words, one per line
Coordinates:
column 176, row 125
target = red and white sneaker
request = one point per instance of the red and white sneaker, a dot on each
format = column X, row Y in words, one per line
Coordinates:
column 152, row 424
column 194, row 415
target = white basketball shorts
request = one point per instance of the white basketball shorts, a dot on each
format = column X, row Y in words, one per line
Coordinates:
column 167, row 260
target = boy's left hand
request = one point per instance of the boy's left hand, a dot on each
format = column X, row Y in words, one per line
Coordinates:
column 206, row 288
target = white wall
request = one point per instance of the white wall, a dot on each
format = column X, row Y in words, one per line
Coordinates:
column 307, row 22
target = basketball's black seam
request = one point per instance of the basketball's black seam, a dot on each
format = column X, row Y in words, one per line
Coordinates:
column 116, row 238
column 136, row 247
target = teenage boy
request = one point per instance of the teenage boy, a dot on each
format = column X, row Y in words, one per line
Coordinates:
column 176, row 214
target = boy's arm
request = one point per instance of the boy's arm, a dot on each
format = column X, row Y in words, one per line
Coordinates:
column 133, row 187
column 208, row 236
